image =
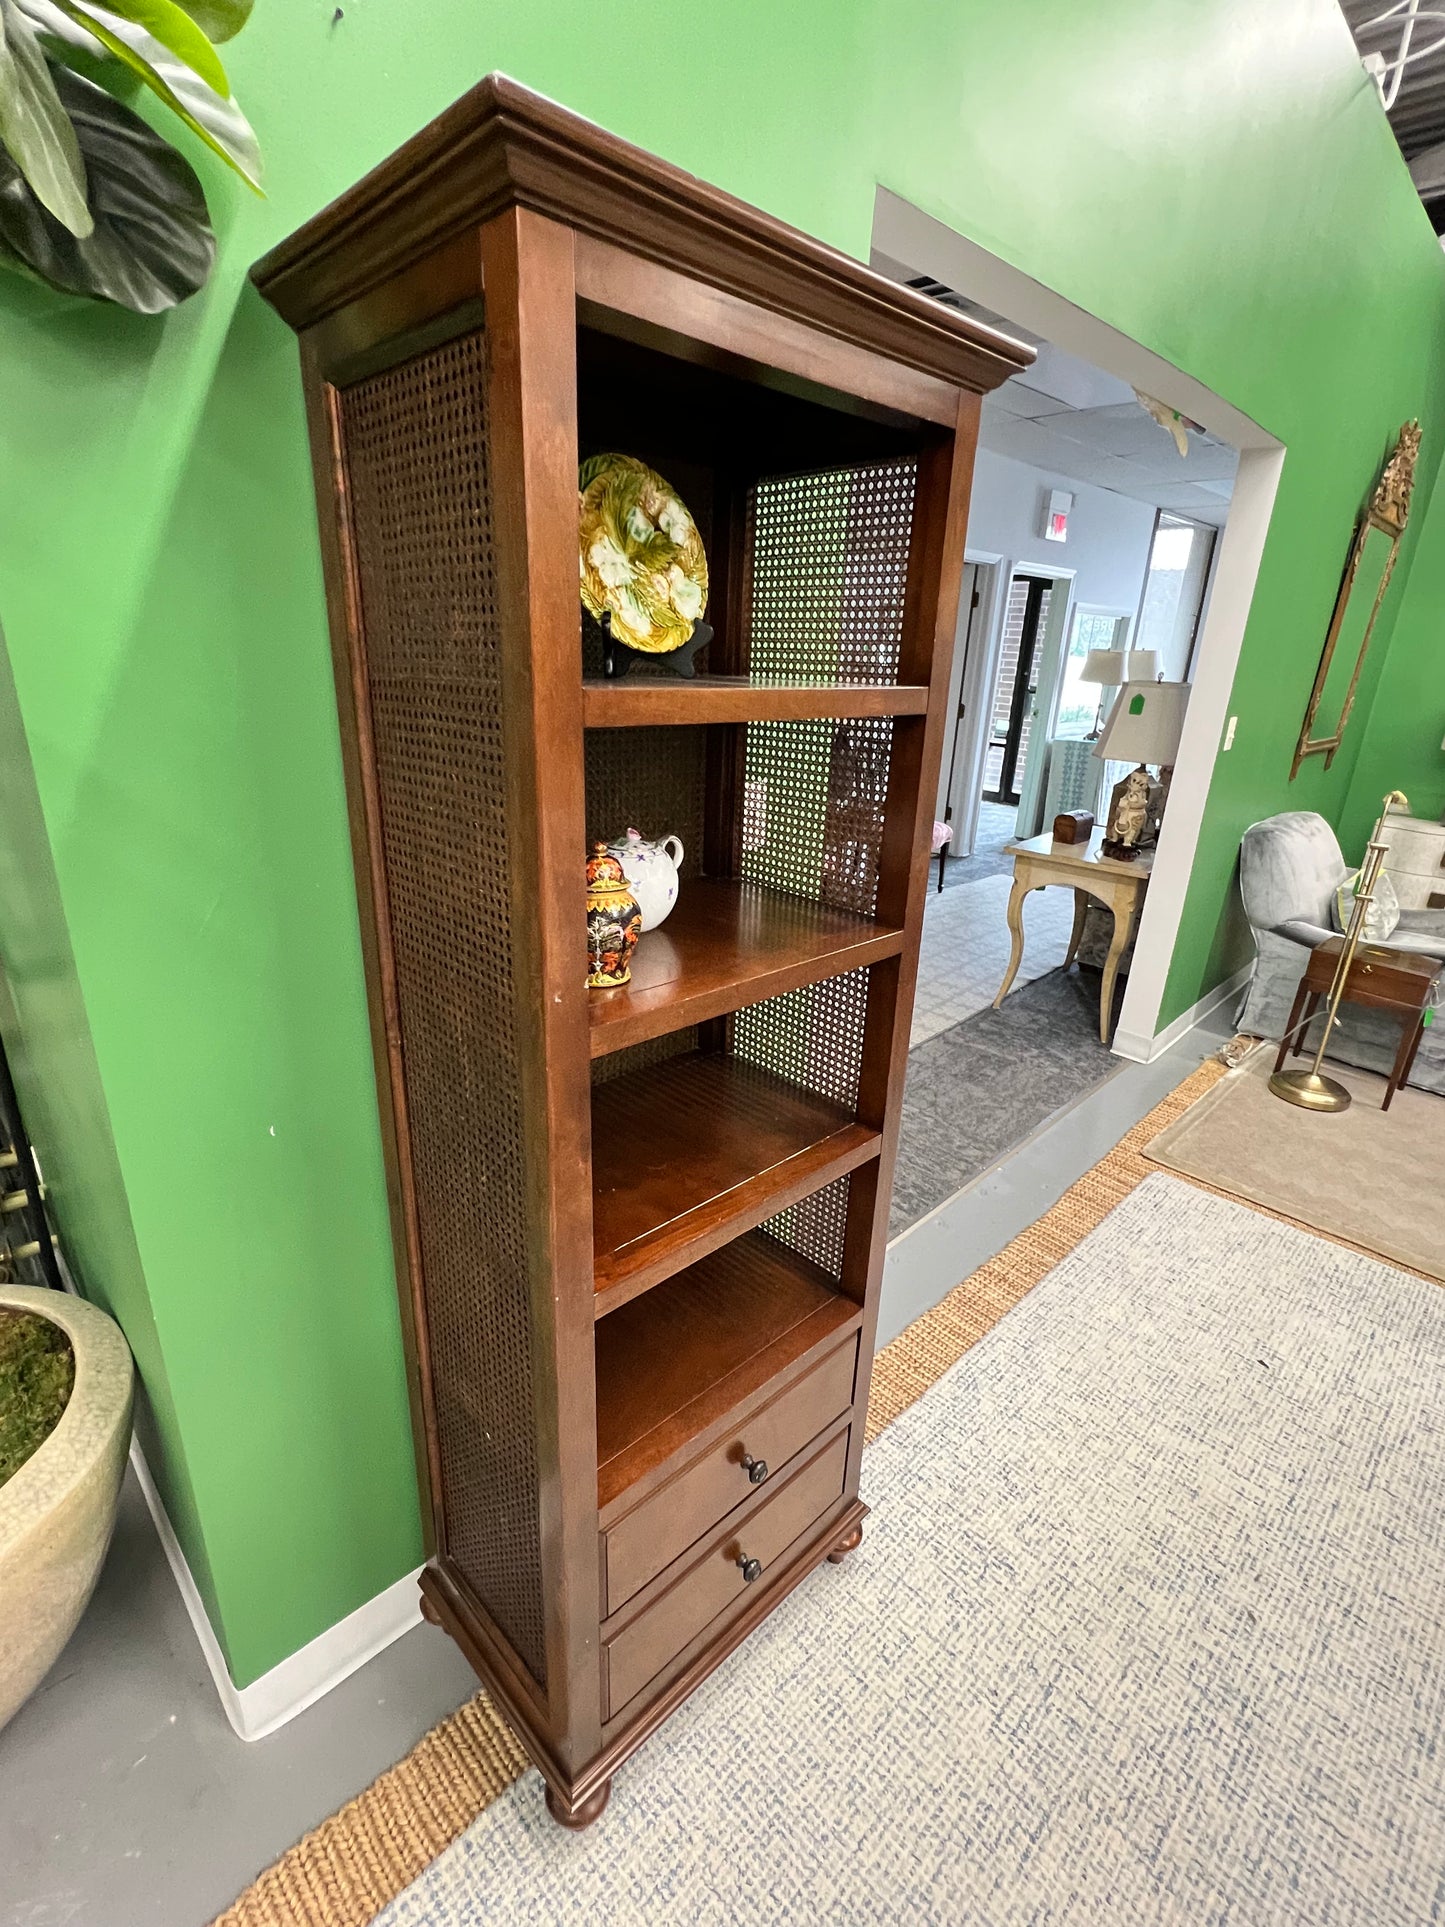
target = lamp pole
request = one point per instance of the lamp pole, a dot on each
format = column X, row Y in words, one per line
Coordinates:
column 1311, row 1089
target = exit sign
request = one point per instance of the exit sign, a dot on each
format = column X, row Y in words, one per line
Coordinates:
column 1057, row 504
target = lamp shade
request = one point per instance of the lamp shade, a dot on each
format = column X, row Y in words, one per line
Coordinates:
column 1115, row 667
column 1145, row 724
column 1108, row 666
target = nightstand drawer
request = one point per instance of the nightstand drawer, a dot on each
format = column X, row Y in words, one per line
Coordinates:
column 720, row 1578
column 651, row 1536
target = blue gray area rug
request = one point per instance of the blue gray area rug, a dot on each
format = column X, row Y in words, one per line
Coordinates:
column 1146, row 1627
column 978, row 1090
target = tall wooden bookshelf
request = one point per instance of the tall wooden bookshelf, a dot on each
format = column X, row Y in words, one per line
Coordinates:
column 639, row 1233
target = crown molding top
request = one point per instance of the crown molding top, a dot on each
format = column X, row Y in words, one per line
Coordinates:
column 501, row 145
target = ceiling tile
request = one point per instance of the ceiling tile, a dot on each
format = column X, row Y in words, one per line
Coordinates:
column 1015, row 398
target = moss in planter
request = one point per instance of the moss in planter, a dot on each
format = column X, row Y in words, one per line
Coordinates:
column 37, row 1370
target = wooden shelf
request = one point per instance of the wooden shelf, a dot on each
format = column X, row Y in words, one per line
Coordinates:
column 817, row 418
column 638, row 701
column 726, row 945
column 692, row 1152
column 671, row 1366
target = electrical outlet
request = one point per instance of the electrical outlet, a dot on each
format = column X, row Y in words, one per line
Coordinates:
column 1228, row 742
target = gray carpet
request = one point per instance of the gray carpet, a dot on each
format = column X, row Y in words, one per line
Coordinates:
column 978, row 1090
column 968, row 869
column 996, row 826
column 1146, row 1627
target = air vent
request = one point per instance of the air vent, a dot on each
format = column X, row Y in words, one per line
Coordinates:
column 936, row 291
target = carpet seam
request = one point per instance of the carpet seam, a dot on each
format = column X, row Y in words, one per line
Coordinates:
column 350, row 1867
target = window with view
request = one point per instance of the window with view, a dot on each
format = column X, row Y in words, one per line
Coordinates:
column 1079, row 700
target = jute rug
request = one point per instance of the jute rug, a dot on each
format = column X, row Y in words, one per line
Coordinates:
column 346, row 1871
column 1367, row 1177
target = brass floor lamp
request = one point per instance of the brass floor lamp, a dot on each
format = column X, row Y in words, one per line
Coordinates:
column 1311, row 1089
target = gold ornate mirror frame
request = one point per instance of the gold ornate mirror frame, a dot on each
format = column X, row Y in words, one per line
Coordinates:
column 1385, row 517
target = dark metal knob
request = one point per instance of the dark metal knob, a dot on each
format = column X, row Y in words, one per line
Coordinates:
column 756, row 1469
column 751, row 1568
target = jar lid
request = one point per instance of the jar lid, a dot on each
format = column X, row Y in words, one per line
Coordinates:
column 604, row 870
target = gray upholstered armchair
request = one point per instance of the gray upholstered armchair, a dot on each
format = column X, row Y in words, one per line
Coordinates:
column 1289, row 869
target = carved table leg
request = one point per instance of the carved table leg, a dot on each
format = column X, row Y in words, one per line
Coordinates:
column 1021, row 888
column 1081, row 910
column 584, row 1813
column 850, row 1542
column 1124, row 905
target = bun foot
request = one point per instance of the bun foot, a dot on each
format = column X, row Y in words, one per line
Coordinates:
column 584, row 1813
column 850, row 1542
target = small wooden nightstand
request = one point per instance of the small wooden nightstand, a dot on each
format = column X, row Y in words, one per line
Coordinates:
column 1397, row 981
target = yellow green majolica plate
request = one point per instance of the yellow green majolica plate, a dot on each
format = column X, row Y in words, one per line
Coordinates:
column 642, row 557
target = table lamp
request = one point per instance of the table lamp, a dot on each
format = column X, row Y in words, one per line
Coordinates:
column 1113, row 668
column 1144, row 727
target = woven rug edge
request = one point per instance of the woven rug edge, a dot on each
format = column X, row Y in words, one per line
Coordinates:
column 349, row 1868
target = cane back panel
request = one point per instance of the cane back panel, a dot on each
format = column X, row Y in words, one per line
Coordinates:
column 416, row 456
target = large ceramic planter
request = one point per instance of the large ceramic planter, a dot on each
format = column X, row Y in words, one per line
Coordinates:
column 57, row 1512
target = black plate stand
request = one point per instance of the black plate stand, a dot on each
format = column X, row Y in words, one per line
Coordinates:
column 618, row 656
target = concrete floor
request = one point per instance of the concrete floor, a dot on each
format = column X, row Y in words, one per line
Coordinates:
column 125, row 1798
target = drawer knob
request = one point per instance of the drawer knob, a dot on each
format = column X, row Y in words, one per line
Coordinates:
column 751, row 1569
column 756, row 1469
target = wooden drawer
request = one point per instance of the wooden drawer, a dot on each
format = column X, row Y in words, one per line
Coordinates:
column 1380, row 978
column 651, row 1536
column 716, row 1581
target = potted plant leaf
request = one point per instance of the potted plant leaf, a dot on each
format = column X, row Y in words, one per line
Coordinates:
column 93, row 200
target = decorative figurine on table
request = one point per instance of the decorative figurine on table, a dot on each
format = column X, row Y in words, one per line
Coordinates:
column 614, row 922
column 651, row 872
column 644, row 573
column 1129, row 815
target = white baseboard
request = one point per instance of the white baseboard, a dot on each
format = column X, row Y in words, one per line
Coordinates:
column 303, row 1677
column 1142, row 1049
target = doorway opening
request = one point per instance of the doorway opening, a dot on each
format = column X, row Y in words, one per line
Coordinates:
column 1025, row 621
column 1161, row 493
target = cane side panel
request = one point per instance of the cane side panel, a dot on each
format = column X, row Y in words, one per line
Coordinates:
column 416, row 460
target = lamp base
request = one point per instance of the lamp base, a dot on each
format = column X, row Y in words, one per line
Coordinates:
column 1310, row 1091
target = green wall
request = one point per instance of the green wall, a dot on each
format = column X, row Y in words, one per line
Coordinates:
column 1211, row 177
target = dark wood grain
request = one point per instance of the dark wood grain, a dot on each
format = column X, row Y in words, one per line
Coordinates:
column 697, row 1150
column 850, row 1542
column 727, row 944
column 501, row 145
column 527, row 263
column 606, row 296
column 638, row 1651
column 683, row 316
column 1400, row 983
column 663, row 1526
column 639, row 702
column 696, row 1349
column 1380, row 978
